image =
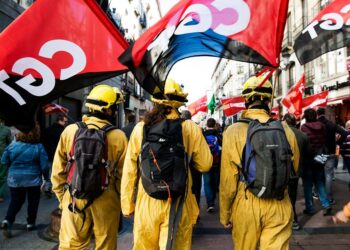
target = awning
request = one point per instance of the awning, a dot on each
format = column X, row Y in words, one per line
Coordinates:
column 337, row 100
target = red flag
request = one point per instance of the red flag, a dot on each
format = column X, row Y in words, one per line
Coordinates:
column 318, row 100
column 233, row 105
column 198, row 106
column 53, row 48
column 328, row 31
column 293, row 100
column 243, row 30
column 53, row 108
column 275, row 112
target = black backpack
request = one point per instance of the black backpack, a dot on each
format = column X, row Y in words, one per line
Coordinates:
column 163, row 160
column 267, row 159
column 87, row 165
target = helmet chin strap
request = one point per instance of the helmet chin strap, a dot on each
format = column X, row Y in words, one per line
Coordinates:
column 103, row 116
column 258, row 105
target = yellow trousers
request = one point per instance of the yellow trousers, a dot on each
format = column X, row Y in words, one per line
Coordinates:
column 102, row 220
column 263, row 222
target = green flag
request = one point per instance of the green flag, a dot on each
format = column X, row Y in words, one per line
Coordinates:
column 211, row 105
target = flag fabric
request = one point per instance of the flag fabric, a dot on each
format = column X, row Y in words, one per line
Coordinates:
column 317, row 100
column 243, row 30
column 198, row 106
column 328, row 31
column 53, row 48
column 54, row 108
column 293, row 100
column 275, row 112
column 233, row 105
column 212, row 105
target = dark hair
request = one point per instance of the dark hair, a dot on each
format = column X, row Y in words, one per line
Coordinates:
column 290, row 119
column 131, row 118
column 211, row 123
column 32, row 136
column 157, row 114
column 60, row 117
column 321, row 111
column 186, row 115
column 310, row 115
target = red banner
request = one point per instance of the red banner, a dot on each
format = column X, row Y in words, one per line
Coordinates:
column 318, row 100
column 293, row 100
column 275, row 112
column 53, row 48
column 233, row 105
column 243, row 30
column 198, row 106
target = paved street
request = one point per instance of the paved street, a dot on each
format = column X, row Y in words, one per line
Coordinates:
column 318, row 231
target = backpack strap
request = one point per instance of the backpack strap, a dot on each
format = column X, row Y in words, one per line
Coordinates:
column 108, row 127
column 245, row 120
column 174, row 221
column 81, row 124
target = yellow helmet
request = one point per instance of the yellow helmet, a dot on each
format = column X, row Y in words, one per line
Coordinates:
column 103, row 97
column 252, row 91
column 174, row 94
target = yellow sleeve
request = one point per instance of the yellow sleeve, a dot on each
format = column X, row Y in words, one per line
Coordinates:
column 58, row 175
column 294, row 147
column 232, row 146
column 196, row 146
column 130, row 173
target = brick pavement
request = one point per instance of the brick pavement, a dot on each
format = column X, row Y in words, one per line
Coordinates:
column 318, row 232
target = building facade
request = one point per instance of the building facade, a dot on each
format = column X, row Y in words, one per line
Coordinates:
column 328, row 72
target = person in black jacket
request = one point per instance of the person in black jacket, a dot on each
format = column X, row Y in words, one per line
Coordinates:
column 51, row 136
column 313, row 174
column 331, row 130
column 304, row 149
column 129, row 128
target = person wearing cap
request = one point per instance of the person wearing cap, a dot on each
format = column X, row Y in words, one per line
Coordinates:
column 266, row 223
column 151, row 216
column 304, row 149
column 103, row 215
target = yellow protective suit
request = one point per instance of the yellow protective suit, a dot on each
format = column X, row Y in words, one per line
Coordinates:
column 102, row 216
column 152, row 215
column 266, row 222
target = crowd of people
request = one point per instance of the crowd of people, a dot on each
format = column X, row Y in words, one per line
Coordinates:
column 153, row 170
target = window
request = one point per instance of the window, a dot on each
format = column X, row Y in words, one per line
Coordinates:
column 279, row 80
column 331, row 63
column 341, row 65
column 291, row 73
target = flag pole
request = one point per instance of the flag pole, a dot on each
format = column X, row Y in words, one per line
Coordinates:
column 273, row 92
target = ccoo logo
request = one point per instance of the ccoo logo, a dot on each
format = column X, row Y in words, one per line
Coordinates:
column 224, row 17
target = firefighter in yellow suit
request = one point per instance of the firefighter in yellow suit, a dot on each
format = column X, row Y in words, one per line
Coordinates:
column 255, row 221
column 151, row 215
column 102, row 216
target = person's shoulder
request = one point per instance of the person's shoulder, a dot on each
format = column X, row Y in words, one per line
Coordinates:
column 188, row 125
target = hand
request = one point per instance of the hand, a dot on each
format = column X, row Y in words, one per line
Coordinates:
column 129, row 215
column 340, row 217
column 228, row 225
